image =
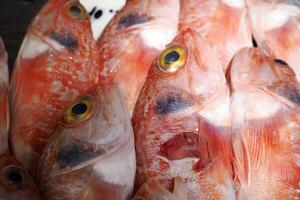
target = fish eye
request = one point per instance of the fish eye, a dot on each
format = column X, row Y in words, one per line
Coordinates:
column 172, row 59
column 77, row 11
column 14, row 177
column 79, row 111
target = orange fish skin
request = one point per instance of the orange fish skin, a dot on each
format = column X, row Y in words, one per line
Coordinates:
column 275, row 27
column 224, row 24
column 177, row 131
column 15, row 182
column 265, row 102
column 132, row 40
column 93, row 159
column 57, row 62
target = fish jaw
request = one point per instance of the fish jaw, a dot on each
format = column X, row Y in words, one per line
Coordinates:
column 57, row 62
column 11, row 192
column 223, row 24
column 265, row 136
column 166, row 124
column 99, row 164
column 4, row 114
column 279, row 36
column 132, row 40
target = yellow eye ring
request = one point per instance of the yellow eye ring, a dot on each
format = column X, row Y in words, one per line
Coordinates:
column 14, row 177
column 79, row 111
column 172, row 59
column 77, row 11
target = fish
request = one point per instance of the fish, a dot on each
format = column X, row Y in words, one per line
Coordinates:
column 265, row 101
column 91, row 155
column 57, row 62
column 182, row 121
column 132, row 40
column 15, row 182
column 101, row 12
column 223, row 23
column 4, row 105
column 275, row 28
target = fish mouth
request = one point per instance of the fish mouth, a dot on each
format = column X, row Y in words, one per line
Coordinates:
column 181, row 146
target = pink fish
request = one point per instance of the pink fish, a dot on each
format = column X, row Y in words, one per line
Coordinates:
column 265, row 104
column 57, row 62
column 132, row 41
column 90, row 156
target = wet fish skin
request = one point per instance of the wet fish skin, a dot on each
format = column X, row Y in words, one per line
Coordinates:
column 178, row 128
column 92, row 159
column 58, row 61
column 265, row 126
column 275, row 27
column 224, row 24
column 132, row 40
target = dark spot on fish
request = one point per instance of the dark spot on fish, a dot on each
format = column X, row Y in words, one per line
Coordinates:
column 289, row 91
column 111, row 11
column 74, row 154
column 281, row 62
column 92, row 11
column 171, row 104
column 183, row 145
column 68, row 41
column 171, row 57
column 98, row 14
column 132, row 19
column 254, row 43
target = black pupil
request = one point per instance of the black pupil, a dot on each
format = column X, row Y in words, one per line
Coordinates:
column 75, row 10
column 79, row 109
column 172, row 57
column 15, row 177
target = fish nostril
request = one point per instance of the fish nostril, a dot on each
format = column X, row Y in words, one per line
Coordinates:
column 98, row 14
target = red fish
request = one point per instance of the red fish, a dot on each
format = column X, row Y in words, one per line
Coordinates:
column 15, row 182
column 91, row 154
column 275, row 27
column 222, row 23
column 265, row 104
column 182, row 121
column 57, row 62
column 133, row 39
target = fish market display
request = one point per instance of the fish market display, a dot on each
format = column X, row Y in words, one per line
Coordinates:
column 275, row 27
column 101, row 11
column 91, row 153
column 182, row 121
column 265, row 126
column 15, row 182
column 132, row 41
column 222, row 23
column 57, row 62
column 153, row 100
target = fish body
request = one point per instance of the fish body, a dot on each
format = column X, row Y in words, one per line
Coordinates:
column 58, row 61
column 275, row 27
column 265, row 126
column 182, row 122
column 132, row 40
column 222, row 23
column 91, row 154
column 15, row 182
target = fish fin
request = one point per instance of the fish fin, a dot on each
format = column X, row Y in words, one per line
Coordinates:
column 266, row 153
column 153, row 190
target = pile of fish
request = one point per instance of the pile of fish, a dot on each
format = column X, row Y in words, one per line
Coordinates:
column 176, row 100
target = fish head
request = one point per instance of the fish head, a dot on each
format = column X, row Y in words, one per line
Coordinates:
column 15, row 182
column 93, row 147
